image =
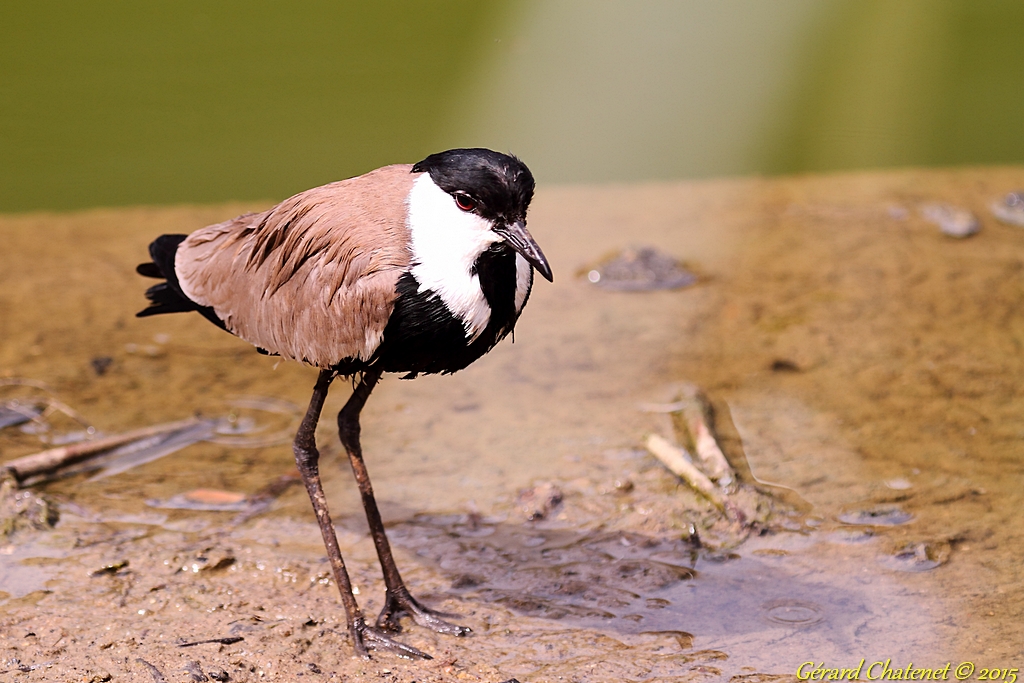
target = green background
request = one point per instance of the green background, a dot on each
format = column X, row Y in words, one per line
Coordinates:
column 117, row 103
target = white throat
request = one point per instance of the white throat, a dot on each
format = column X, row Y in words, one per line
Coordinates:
column 446, row 242
column 524, row 281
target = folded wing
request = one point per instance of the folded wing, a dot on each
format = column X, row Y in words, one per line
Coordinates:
column 312, row 279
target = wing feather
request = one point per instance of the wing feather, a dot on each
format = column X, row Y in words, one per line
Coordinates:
column 313, row 278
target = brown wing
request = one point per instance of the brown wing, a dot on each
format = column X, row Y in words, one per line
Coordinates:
column 312, row 279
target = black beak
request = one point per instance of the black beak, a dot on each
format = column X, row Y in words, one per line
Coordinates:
column 516, row 236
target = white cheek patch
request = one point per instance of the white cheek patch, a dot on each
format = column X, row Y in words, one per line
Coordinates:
column 524, row 281
column 446, row 242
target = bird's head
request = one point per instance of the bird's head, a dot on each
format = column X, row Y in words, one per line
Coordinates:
column 496, row 187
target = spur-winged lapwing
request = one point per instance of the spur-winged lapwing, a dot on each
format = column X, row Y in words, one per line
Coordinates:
column 408, row 269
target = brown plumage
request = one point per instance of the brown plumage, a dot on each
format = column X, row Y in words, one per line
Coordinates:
column 411, row 269
column 312, row 279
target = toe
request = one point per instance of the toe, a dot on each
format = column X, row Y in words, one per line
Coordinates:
column 379, row 642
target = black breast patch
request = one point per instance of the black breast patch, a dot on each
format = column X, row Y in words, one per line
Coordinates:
column 424, row 336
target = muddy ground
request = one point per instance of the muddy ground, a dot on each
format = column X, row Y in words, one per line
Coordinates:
column 855, row 355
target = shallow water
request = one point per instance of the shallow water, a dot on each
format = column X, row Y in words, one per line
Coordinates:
column 854, row 354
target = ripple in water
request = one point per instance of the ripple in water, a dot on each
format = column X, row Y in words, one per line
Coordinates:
column 792, row 612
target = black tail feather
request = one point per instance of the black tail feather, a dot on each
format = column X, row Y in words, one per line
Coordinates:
column 163, row 299
column 149, row 270
column 167, row 297
column 163, row 250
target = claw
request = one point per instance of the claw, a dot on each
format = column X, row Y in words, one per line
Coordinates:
column 366, row 638
column 401, row 602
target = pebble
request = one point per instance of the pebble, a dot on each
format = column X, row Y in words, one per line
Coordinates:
column 641, row 269
column 952, row 220
column 1010, row 209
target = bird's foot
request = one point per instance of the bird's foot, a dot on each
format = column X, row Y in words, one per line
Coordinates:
column 400, row 602
column 366, row 638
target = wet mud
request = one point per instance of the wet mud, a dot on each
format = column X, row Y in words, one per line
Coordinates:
column 863, row 367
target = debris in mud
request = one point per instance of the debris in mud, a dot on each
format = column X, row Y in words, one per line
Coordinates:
column 784, row 365
column 111, row 568
column 918, row 557
column 213, row 500
column 195, row 672
column 640, row 269
column 208, row 560
column 231, row 640
column 23, row 510
column 31, row 469
column 14, row 413
column 952, row 220
column 119, row 453
column 37, row 403
column 1010, row 209
column 852, row 534
column 742, row 508
column 693, row 413
column 696, row 414
column 539, row 501
column 204, row 499
column 158, row 676
column 100, row 364
column 877, row 516
column 624, row 486
column 679, row 463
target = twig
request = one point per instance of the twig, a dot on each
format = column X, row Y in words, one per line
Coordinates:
column 697, row 415
column 222, row 641
column 53, row 459
column 676, row 460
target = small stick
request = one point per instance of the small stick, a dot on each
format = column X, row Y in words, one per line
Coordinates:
column 223, row 641
column 676, row 460
column 53, row 459
column 696, row 411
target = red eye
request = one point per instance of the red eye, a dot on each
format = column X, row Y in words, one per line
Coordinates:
column 465, row 202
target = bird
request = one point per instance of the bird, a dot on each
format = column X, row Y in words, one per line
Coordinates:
column 410, row 269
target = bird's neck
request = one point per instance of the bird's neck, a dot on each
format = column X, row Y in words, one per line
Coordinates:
column 496, row 273
column 445, row 243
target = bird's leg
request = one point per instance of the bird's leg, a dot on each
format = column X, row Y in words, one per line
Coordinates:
column 307, row 458
column 397, row 599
